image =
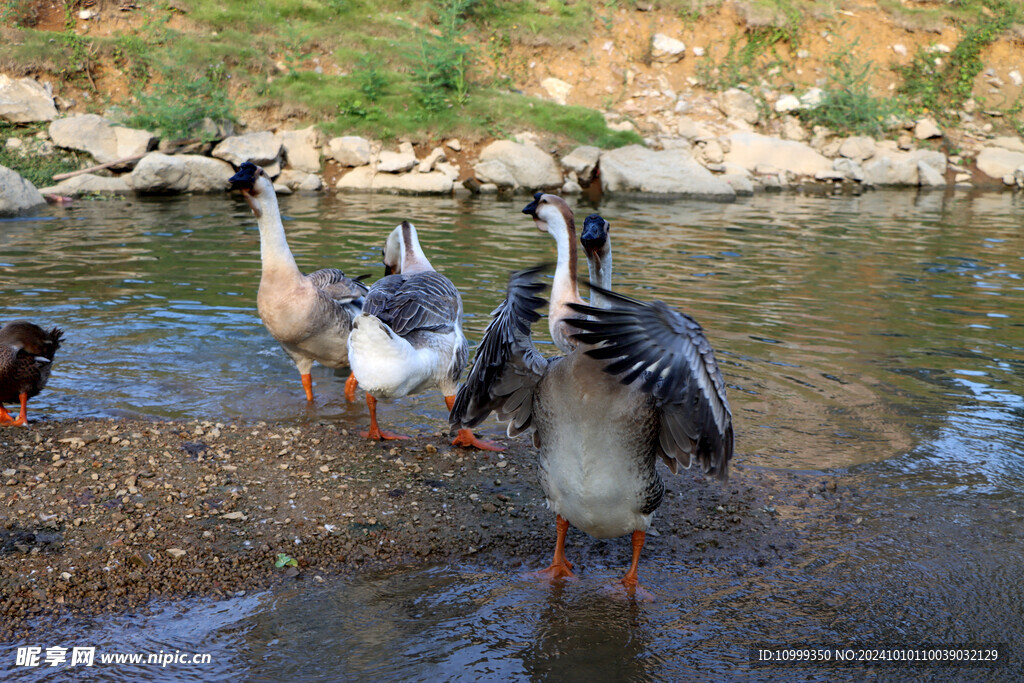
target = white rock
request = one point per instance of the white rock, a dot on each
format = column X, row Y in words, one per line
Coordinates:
column 17, row 195
column 900, row 49
column 666, row 49
column 812, row 98
column 787, row 103
column 529, row 166
column 850, row 169
column 453, row 144
column 99, row 137
column 558, row 90
column 751, row 150
column 582, row 161
column 571, row 187
column 429, row 162
column 1016, row 78
column 792, row 129
column 858, row 147
column 450, row 170
column 262, row 148
column 25, row 100
column 698, row 52
column 738, row 104
column 996, row 162
column 637, row 169
column 359, row 179
column 711, row 152
column 928, row 176
column 926, row 129
column 296, row 180
column 349, row 150
column 14, row 143
column 88, row 183
column 1014, row 144
column 495, row 173
column 395, row 162
column 302, row 149
column 901, row 168
column 161, row 174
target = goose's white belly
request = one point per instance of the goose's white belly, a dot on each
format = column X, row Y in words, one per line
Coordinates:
column 388, row 366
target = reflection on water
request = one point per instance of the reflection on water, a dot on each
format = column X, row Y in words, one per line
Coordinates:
column 883, row 334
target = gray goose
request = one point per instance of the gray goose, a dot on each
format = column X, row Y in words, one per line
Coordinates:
column 26, row 357
column 408, row 338
column 640, row 384
column 309, row 315
column 597, row 245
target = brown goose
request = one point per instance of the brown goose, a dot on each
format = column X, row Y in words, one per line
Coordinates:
column 309, row 315
column 26, row 356
column 642, row 384
column 409, row 336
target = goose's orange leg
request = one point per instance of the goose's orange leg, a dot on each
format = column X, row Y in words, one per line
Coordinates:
column 307, row 384
column 350, row 387
column 560, row 566
column 5, row 417
column 630, row 583
column 23, row 415
column 466, row 439
column 375, row 430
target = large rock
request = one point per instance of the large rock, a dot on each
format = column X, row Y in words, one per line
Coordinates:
column 558, row 89
column 582, row 161
column 996, row 162
column 751, row 150
column 530, row 167
column 262, row 148
column 666, row 49
column 296, row 180
column 17, row 195
column 365, row 179
column 99, row 137
column 396, row 162
column 302, row 149
column 893, row 167
column 89, row 183
column 163, row 174
column 25, row 100
column 350, row 150
column 638, row 169
column 739, row 104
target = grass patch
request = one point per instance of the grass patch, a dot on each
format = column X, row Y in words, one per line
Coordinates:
column 181, row 101
column 747, row 62
column 37, row 161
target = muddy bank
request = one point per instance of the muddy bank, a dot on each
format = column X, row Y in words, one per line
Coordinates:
column 105, row 515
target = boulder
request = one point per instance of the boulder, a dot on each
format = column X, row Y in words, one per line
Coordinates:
column 891, row 167
column 530, row 167
column 396, row 162
column 996, row 162
column 88, row 183
column 349, row 150
column 17, row 195
column 637, row 169
column 296, row 180
column 359, row 179
column 160, row 173
column 666, row 49
column 850, row 169
column 738, row 104
column 929, row 176
column 751, row 150
column 25, row 100
column 262, row 148
column 1013, row 144
column 302, row 149
column 365, row 179
column 926, row 129
column 858, row 148
column 557, row 89
column 429, row 162
column 787, row 103
column 582, row 161
column 99, row 137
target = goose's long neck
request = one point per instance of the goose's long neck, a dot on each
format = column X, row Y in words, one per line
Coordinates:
column 563, row 290
column 413, row 258
column 274, row 251
column 600, row 269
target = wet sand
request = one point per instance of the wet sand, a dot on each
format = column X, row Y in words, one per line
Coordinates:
column 106, row 515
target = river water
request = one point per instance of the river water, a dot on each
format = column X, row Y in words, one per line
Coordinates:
column 879, row 337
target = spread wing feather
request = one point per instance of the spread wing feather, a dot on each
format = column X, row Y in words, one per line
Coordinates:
column 666, row 353
column 507, row 366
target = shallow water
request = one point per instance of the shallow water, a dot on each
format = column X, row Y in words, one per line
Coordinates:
column 880, row 335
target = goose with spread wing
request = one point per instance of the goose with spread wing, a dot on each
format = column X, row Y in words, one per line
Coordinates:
column 309, row 315
column 639, row 383
column 26, row 357
column 409, row 337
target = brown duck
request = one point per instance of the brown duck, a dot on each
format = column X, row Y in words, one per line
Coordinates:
column 26, row 355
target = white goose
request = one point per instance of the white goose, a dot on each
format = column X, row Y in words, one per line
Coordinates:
column 310, row 315
column 599, row 436
column 409, row 337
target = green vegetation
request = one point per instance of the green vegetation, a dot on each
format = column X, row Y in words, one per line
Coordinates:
column 936, row 83
column 848, row 105
column 37, row 161
column 179, row 103
column 749, row 61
